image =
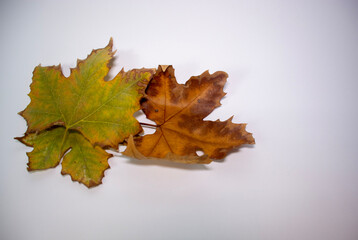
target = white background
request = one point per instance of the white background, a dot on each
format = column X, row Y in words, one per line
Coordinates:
column 293, row 68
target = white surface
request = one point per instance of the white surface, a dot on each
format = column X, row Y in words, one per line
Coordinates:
column 293, row 78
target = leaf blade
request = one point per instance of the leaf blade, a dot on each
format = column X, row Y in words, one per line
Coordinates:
column 84, row 163
column 113, row 121
column 48, row 149
column 83, row 113
column 179, row 110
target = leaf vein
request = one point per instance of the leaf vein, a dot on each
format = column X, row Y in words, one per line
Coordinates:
column 103, row 104
column 190, row 103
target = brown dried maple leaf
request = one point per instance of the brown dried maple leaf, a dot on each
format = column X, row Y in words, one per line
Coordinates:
column 179, row 110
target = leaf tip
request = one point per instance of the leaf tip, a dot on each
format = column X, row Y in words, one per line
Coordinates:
column 110, row 43
column 248, row 136
column 165, row 68
column 23, row 140
column 92, row 184
column 20, row 139
column 29, row 169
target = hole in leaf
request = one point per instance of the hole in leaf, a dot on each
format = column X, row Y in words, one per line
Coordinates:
column 199, row 153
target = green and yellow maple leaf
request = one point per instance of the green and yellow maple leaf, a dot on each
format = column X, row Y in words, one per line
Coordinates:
column 86, row 112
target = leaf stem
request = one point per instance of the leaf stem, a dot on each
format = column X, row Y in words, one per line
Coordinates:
column 148, row 125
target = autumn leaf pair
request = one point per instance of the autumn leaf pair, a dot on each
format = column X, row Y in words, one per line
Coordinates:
column 75, row 119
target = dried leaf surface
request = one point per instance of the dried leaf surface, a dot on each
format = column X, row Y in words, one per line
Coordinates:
column 178, row 110
column 132, row 151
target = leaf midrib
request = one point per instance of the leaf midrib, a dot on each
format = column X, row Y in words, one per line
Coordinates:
column 83, row 90
column 189, row 104
column 123, row 91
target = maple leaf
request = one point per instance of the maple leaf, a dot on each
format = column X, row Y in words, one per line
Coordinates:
column 84, row 163
column 83, row 113
column 178, row 110
column 101, row 110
